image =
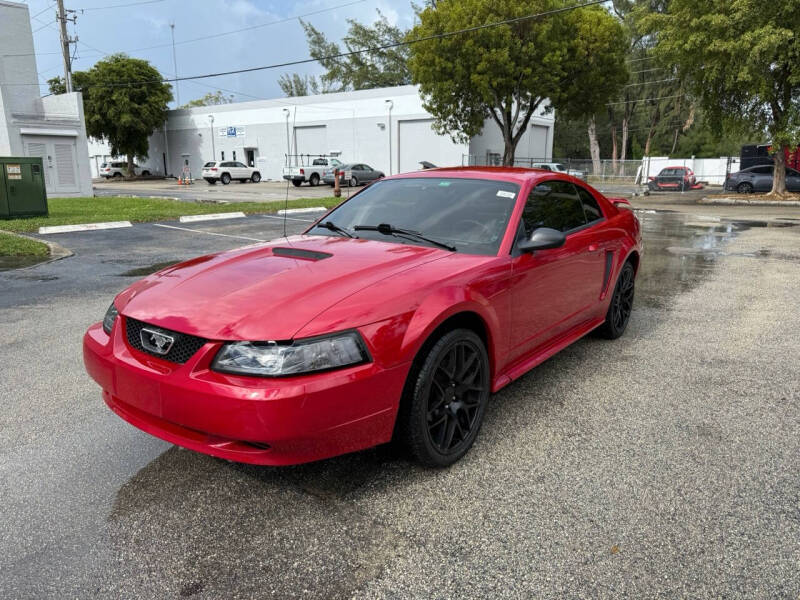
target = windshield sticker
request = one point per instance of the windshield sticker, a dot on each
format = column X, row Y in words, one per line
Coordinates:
column 506, row 194
column 444, row 183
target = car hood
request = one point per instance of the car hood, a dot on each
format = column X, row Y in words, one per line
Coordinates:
column 268, row 291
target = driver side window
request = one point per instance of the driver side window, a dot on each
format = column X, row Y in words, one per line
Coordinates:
column 553, row 204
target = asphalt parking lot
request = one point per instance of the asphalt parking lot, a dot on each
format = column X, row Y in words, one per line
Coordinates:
column 663, row 464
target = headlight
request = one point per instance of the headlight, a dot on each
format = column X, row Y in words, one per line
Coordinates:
column 272, row 359
column 109, row 318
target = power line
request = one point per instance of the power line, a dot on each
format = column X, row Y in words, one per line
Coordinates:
column 224, row 33
column 649, row 82
column 44, row 10
column 119, row 5
column 436, row 36
column 644, row 100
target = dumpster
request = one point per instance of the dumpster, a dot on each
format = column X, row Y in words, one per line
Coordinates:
column 22, row 190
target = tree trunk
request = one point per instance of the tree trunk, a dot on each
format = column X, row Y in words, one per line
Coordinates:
column 594, row 146
column 509, row 149
column 779, row 176
column 130, row 166
column 674, row 141
column 623, row 152
column 613, row 148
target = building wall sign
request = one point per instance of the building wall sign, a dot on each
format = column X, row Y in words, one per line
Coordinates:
column 231, row 132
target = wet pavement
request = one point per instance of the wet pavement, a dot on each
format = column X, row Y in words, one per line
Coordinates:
column 661, row 464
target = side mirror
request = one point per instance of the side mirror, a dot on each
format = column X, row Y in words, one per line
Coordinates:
column 542, row 239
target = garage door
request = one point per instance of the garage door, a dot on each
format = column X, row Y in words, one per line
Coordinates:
column 59, row 158
column 537, row 143
column 311, row 140
column 418, row 141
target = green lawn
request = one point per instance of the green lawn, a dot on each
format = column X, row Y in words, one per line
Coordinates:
column 73, row 211
column 12, row 245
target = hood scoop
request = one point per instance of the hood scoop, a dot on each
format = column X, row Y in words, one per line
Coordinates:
column 300, row 253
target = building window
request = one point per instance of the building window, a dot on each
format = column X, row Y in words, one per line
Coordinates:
column 222, row 155
column 234, row 155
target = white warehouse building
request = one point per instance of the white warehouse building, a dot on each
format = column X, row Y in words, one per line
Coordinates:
column 386, row 128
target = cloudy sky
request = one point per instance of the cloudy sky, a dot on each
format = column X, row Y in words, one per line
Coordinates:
column 209, row 36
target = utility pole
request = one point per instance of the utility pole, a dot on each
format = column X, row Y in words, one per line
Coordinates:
column 175, row 67
column 62, row 18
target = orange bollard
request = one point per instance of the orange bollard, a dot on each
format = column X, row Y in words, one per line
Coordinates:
column 337, row 189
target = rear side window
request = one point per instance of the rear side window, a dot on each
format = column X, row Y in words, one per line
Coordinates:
column 319, row 162
column 553, row 204
column 209, row 164
column 590, row 207
column 763, row 170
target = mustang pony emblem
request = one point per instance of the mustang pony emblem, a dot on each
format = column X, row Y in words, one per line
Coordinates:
column 155, row 341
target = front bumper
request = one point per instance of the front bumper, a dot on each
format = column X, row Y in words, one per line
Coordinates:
column 254, row 420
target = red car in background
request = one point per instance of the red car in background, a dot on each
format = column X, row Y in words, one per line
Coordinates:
column 395, row 316
column 674, row 178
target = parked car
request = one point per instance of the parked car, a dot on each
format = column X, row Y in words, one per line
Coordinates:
column 395, row 314
column 358, row 173
column 673, row 178
column 560, row 168
column 759, row 179
column 312, row 173
column 120, row 169
column 227, row 170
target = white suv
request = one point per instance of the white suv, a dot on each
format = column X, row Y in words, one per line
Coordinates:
column 120, row 169
column 226, row 170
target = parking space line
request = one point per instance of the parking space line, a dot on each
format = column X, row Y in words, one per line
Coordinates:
column 239, row 237
column 212, row 217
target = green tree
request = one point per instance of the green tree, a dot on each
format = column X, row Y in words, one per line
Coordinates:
column 740, row 60
column 298, row 85
column 210, row 99
column 57, row 85
column 571, row 61
column 381, row 68
column 125, row 101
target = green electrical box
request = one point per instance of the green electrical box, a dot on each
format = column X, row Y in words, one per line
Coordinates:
column 22, row 190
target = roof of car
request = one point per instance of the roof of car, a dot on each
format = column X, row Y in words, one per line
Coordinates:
column 516, row 174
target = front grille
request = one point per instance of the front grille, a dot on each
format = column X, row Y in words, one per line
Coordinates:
column 182, row 350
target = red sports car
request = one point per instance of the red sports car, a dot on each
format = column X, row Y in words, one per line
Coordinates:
column 394, row 316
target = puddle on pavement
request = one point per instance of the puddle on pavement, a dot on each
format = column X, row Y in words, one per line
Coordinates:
column 147, row 269
column 681, row 250
column 17, row 262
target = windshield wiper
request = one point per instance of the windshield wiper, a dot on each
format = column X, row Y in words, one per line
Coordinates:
column 387, row 229
column 330, row 225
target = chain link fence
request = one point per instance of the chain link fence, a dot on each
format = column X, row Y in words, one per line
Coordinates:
column 636, row 172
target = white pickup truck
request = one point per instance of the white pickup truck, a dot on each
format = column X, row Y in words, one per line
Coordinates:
column 311, row 173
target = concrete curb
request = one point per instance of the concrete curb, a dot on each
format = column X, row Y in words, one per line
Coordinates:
column 212, row 217
column 744, row 202
column 83, row 227
column 299, row 211
column 57, row 251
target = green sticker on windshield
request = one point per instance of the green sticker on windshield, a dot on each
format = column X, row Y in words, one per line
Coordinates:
column 444, row 183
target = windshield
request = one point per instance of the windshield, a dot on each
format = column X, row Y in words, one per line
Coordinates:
column 470, row 214
column 560, row 167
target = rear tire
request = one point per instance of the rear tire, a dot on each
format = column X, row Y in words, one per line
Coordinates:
column 445, row 399
column 314, row 181
column 225, row 179
column 296, row 183
column 745, row 188
column 353, row 182
column 621, row 306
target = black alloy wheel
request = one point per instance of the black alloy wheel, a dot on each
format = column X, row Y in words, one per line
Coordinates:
column 225, row 179
column 447, row 395
column 619, row 311
column 745, row 188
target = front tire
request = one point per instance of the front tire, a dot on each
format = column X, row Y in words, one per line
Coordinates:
column 619, row 311
column 445, row 399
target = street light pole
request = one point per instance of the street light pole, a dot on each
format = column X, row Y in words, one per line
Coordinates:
column 175, row 67
column 213, row 149
column 288, row 145
column 391, row 104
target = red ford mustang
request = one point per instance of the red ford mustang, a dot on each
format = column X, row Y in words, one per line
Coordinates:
column 392, row 317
